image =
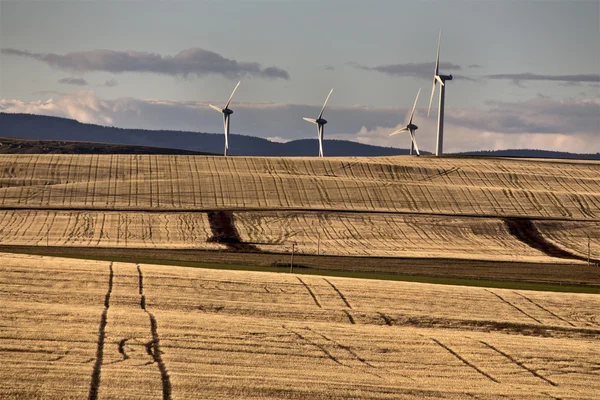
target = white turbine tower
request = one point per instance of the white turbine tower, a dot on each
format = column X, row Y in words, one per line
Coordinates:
column 320, row 122
column 226, row 115
column 411, row 128
column 439, row 149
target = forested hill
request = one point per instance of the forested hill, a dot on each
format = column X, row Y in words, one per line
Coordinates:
column 46, row 128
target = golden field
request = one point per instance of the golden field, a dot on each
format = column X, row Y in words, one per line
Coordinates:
column 456, row 208
column 77, row 329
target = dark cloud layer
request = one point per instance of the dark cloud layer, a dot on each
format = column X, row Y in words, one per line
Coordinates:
column 110, row 83
column 190, row 62
column 417, row 70
column 527, row 76
column 73, row 81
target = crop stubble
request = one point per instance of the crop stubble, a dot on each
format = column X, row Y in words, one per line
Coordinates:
column 186, row 333
column 458, row 208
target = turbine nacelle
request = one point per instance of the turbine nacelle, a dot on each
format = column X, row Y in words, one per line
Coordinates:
column 410, row 127
column 320, row 122
column 226, row 111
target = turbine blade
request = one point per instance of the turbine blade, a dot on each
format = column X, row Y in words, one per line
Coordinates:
column 440, row 80
column 314, row 121
column 232, row 93
column 431, row 98
column 412, row 113
column 399, row 131
column 216, row 108
column 412, row 136
column 326, row 100
column 437, row 57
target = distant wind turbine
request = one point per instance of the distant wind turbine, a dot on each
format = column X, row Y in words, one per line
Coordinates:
column 320, row 122
column 411, row 128
column 439, row 149
column 226, row 115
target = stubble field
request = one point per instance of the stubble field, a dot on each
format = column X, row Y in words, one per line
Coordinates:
column 538, row 211
column 77, row 329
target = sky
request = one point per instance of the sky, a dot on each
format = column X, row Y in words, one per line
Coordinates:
column 526, row 73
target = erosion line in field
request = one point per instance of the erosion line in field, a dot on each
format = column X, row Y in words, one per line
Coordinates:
column 519, row 363
column 388, row 321
column 317, row 345
column 153, row 347
column 455, row 354
column 338, row 292
column 513, row 306
column 311, row 292
column 96, row 371
column 350, row 317
column 545, row 309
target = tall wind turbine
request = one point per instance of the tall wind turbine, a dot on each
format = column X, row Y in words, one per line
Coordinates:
column 411, row 128
column 320, row 122
column 439, row 149
column 226, row 115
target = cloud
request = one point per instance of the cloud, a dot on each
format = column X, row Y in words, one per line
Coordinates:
column 527, row 76
column 329, row 68
column 474, row 66
column 191, row 62
column 417, row 70
column 110, row 83
column 73, row 81
column 553, row 124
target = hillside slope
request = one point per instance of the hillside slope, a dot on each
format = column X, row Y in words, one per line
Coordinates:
column 461, row 208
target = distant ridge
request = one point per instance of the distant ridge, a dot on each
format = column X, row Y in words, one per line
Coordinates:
column 40, row 127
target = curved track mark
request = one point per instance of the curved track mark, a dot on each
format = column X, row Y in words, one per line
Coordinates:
column 95, row 382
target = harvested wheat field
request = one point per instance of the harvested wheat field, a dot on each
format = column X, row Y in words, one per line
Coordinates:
column 536, row 211
column 77, row 329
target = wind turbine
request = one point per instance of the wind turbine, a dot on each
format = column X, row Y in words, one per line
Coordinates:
column 226, row 111
column 411, row 128
column 320, row 122
column 442, row 80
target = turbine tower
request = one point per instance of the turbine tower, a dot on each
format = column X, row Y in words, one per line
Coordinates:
column 439, row 149
column 320, row 122
column 411, row 128
column 226, row 111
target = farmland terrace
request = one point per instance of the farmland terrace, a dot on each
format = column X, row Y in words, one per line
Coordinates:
column 490, row 215
column 71, row 329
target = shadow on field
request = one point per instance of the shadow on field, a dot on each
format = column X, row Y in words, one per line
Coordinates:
column 525, row 230
column 224, row 232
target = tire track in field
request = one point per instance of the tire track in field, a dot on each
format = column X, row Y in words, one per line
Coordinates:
column 339, row 293
column 519, row 363
column 513, row 306
column 317, row 345
column 344, row 347
column 458, row 356
column 545, row 309
column 153, row 347
column 96, row 372
column 312, row 294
